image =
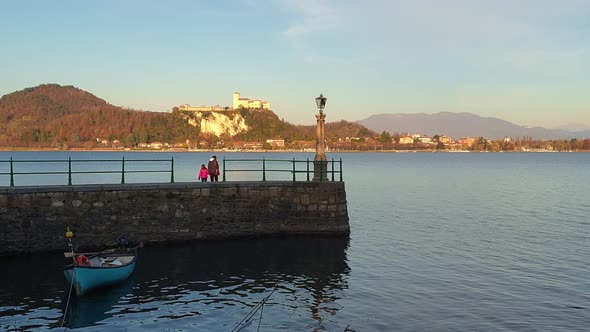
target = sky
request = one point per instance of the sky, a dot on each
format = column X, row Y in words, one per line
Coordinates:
column 525, row 61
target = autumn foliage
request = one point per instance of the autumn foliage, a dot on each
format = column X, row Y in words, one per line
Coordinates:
column 52, row 115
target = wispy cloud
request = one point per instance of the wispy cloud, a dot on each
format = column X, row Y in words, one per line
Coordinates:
column 553, row 62
column 434, row 21
column 311, row 19
column 313, row 16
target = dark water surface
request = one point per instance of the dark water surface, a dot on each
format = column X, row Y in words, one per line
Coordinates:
column 439, row 242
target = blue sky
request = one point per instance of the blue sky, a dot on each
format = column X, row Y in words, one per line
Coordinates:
column 525, row 61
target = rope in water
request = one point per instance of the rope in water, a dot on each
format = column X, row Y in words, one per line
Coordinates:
column 252, row 312
column 260, row 319
column 69, row 296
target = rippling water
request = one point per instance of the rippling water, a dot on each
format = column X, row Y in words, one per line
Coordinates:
column 439, row 242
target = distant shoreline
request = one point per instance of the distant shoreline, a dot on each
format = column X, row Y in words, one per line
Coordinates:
column 4, row 149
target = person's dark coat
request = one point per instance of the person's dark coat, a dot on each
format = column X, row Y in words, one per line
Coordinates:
column 213, row 167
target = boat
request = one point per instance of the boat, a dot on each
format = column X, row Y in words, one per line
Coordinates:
column 90, row 271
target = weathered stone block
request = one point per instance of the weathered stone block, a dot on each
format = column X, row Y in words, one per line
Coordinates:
column 230, row 191
column 123, row 194
column 274, row 192
column 3, row 200
column 57, row 203
column 163, row 208
column 305, row 199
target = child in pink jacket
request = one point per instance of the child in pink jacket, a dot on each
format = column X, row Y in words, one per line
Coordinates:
column 203, row 173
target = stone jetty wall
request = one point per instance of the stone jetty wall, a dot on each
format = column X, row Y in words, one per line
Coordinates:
column 34, row 219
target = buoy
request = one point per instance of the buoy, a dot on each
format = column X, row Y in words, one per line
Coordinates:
column 69, row 234
column 82, row 260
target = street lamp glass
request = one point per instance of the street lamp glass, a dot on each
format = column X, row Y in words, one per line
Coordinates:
column 321, row 102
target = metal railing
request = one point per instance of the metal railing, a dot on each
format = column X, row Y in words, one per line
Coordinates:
column 326, row 173
column 12, row 173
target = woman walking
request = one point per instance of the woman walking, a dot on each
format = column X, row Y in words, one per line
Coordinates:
column 213, row 167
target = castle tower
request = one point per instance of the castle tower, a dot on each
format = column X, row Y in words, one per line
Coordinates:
column 236, row 103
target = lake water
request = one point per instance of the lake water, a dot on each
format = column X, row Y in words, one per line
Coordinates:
column 439, row 242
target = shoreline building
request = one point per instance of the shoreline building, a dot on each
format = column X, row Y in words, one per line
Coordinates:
column 249, row 103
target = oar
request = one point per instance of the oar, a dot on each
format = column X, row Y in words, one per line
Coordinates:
column 71, row 254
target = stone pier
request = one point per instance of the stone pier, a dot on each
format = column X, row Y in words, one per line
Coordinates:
column 34, row 219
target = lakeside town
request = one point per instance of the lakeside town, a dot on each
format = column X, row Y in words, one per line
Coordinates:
column 384, row 142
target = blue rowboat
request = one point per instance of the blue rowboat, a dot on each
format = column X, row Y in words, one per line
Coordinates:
column 96, row 270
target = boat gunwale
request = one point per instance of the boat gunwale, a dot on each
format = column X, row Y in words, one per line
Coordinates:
column 74, row 265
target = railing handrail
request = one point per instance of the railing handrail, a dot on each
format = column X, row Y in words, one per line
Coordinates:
column 71, row 172
column 76, row 160
column 263, row 159
column 324, row 173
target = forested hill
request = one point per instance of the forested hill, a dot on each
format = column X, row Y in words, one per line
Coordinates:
column 266, row 124
column 52, row 115
column 49, row 101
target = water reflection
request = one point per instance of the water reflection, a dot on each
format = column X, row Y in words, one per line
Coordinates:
column 31, row 288
column 206, row 285
column 90, row 310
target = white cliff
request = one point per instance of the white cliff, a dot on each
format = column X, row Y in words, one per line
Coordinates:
column 217, row 123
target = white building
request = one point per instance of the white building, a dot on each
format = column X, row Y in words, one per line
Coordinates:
column 187, row 107
column 249, row 103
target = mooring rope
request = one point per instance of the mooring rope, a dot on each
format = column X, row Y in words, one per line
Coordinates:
column 252, row 312
column 69, row 296
column 261, row 310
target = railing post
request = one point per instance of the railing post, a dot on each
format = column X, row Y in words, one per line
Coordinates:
column 307, row 169
column 69, row 170
column 123, row 170
column 332, row 169
column 172, row 170
column 263, row 169
column 340, row 169
column 11, row 173
column 293, row 169
column 223, row 179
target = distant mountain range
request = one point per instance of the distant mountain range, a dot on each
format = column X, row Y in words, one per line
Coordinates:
column 458, row 125
column 573, row 127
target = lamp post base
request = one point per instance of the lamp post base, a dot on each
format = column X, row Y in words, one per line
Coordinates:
column 320, row 170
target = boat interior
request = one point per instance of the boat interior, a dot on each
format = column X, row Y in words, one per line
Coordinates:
column 104, row 261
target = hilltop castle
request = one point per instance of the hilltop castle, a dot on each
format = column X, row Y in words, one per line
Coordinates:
column 238, row 103
column 249, row 103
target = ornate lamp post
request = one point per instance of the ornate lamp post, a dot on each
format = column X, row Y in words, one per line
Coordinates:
column 320, row 164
